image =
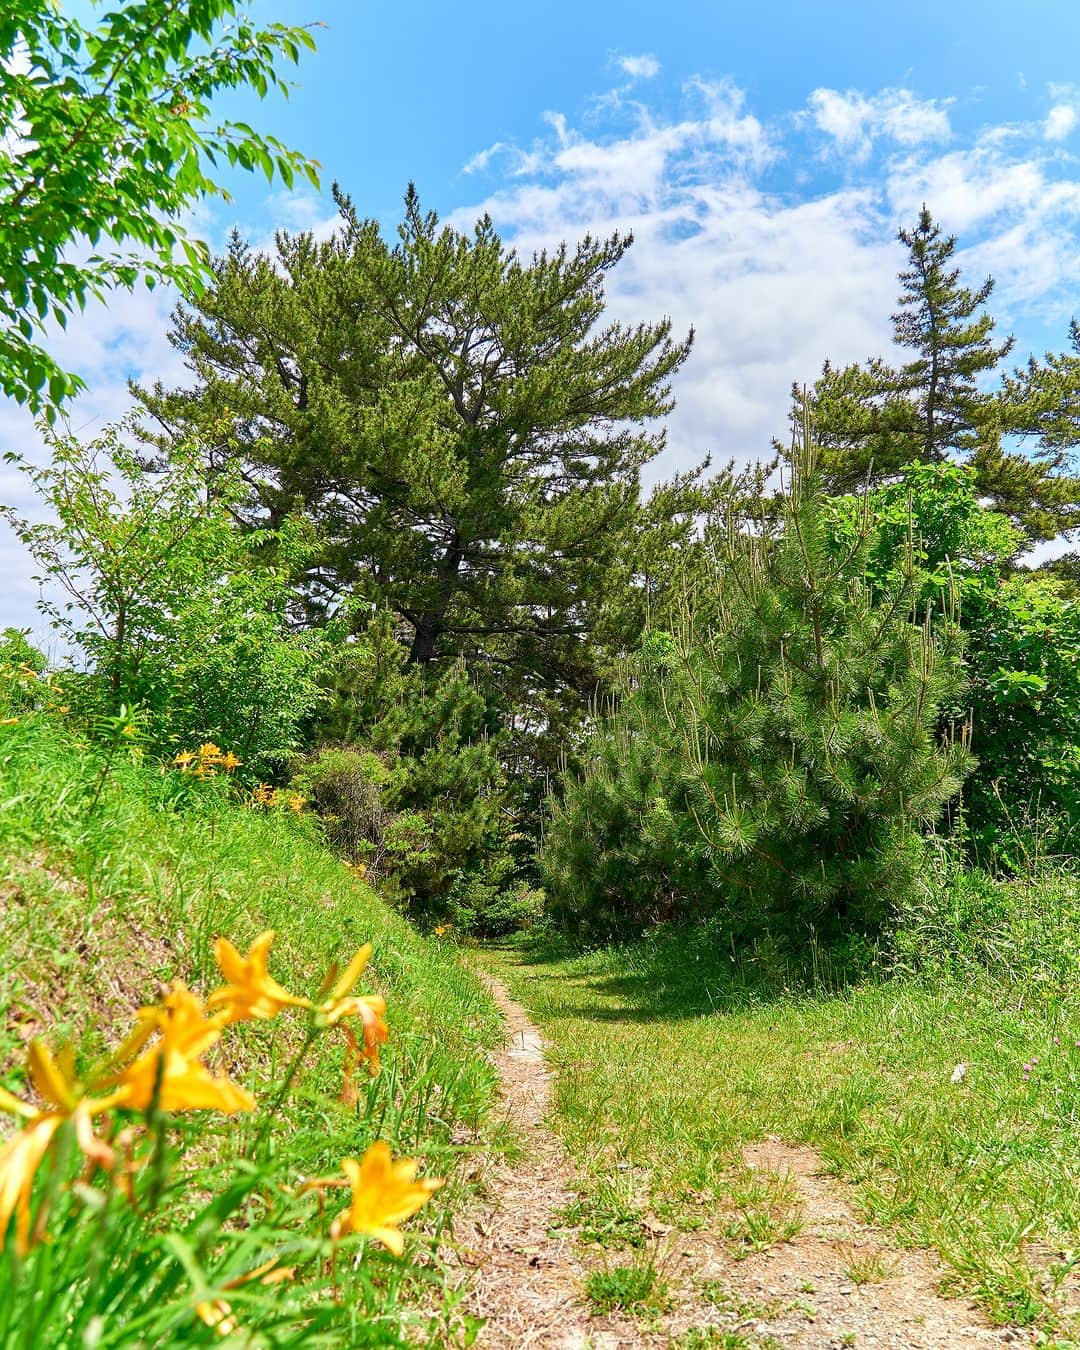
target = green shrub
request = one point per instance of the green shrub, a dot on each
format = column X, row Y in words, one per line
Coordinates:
column 778, row 759
column 1021, row 656
column 348, row 789
column 173, row 607
column 417, row 792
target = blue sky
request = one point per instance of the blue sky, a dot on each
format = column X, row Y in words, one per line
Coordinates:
column 763, row 155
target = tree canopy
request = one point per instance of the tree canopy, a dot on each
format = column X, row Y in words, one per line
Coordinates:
column 107, row 140
column 464, row 425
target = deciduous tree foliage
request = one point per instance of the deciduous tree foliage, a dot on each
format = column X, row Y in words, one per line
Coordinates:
column 175, row 610
column 106, row 140
column 463, row 423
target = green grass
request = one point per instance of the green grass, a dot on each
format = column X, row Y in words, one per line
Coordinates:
column 637, row 1288
column 98, row 904
column 670, row 1056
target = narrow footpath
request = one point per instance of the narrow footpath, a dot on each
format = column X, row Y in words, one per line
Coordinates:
column 526, row 1273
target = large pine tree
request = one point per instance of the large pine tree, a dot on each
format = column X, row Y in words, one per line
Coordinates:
column 939, row 404
column 464, row 424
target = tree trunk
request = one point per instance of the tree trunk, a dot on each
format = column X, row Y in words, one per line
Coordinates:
column 429, row 629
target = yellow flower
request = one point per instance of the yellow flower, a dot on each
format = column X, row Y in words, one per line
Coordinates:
column 21, row 1155
column 210, row 753
column 264, row 795
column 251, row 991
column 170, row 1071
column 184, row 758
column 8, row 721
column 339, row 1005
column 218, row 1313
column 229, row 762
column 441, row 929
column 384, row 1194
column 296, row 802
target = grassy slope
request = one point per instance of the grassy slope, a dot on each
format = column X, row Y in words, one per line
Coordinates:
column 97, row 906
column 669, row 1059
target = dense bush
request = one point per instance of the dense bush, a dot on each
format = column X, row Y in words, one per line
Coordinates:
column 174, row 609
column 411, row 782
column 779, row 757
column 348, row 789
column 1023, row 801
column 1021, row 656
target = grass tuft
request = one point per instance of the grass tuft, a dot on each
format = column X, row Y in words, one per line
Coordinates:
column 636, row 1288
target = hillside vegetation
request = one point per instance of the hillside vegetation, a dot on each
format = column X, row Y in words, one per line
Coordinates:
column 117, row 876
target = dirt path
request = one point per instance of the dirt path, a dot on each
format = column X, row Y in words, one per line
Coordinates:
column 839, row 1281
column 835, row 1282
column 527, row 1284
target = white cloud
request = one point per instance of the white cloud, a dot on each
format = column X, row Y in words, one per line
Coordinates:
column 1060, row 122
column 483, row 158
column 775, row 281
column 644, row 67
column 853, row 121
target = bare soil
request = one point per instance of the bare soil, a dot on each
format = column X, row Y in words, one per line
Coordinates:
column 835, row 1282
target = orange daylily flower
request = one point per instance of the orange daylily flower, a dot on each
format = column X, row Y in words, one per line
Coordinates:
column 251, row 992
column 384, row 1194
column 170, row 1070
column 22, row 1154
column 371, row 1009
column 339, row 1004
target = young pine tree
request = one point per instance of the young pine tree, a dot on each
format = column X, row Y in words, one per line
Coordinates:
column 783, row 761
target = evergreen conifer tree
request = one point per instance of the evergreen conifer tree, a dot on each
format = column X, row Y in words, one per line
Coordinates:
column 783, row 759
column 1040, row 405
column 464, row 425
column 871, row 419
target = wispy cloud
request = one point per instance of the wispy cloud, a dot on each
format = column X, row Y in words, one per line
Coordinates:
column 852, row 121
column 776, row 257
column 644, row 67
